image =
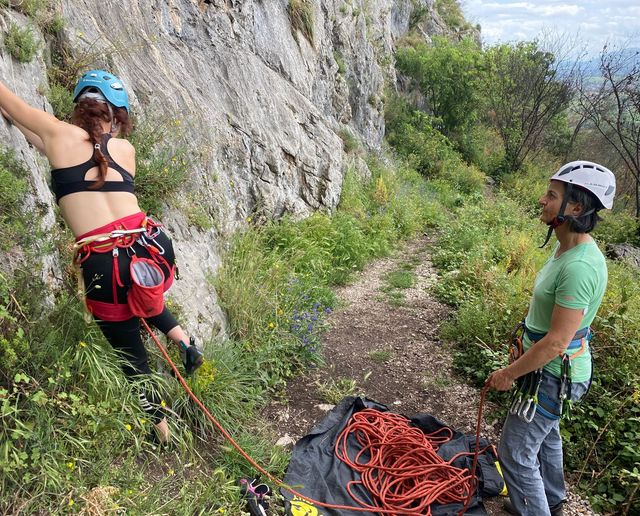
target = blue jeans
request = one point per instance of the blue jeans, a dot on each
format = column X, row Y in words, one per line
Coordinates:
column 531, row 454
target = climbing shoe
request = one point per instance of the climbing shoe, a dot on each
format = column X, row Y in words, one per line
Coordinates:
column 191, row 356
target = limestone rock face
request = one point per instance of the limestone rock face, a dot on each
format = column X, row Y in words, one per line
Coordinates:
column 261, row 104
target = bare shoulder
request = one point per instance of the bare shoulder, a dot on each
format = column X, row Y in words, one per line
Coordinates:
column 124, row 153
column 122, row 145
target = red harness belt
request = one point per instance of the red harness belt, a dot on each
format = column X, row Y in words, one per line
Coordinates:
column 110, row 238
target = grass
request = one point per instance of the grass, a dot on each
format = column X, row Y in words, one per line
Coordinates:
column 350, row 142
column 21, row 43
column 401, row 279
column 395, row 282
column 333, row 391
column 381, row 355
column 302, row 19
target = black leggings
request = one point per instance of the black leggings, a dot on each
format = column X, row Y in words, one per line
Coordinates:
column 124, row 336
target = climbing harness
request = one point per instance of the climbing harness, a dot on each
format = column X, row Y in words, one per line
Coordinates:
column 524, row 400
column 145, row 296
column 401, row 510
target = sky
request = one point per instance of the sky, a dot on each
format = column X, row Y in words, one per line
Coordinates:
column 595, row 21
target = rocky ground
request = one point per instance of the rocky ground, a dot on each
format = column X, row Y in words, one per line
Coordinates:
column 385, row 345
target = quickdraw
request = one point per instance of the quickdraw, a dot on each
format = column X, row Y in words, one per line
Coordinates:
column 524, row 400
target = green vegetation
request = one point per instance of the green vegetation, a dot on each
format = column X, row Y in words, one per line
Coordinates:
column 401, row 279
column 381, row 355
column 162, row 163
column 350, row 142
column 333, row 391
column 301, row 17
column 21, row 43
column 44, row 13
column 447, row 74
column 488, row 255
column 342, row 67
column 451, row 13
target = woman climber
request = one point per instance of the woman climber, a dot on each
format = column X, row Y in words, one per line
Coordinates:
column 92, row 177
column 552, row 363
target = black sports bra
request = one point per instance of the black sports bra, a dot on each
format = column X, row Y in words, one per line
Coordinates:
column 68, row 180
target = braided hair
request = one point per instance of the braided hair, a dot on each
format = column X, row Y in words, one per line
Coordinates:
column 88, row 114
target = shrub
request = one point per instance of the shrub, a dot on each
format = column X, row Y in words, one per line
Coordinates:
column 21, row 43
column 349, row 142
column 61, row 100
column 163, row 163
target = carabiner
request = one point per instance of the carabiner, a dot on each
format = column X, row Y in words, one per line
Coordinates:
column 526, row 413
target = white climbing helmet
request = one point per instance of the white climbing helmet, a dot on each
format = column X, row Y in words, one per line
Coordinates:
column 595, row 178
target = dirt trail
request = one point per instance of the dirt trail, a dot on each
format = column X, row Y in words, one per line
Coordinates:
column 389, row 348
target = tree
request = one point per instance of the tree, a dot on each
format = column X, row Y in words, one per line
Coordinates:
column 524, row 90
column 447, row 75
column 613, row 108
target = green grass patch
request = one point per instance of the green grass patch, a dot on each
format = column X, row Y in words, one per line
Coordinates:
column 163, row 163
column 401, row 279
column 381, row 355
column 333, row 391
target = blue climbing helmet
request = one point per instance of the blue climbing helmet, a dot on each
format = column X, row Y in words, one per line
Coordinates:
column 106, row 83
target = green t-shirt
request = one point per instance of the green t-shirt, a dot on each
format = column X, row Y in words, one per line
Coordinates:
column 577, row 280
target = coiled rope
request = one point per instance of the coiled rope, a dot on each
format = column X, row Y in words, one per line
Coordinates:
column 454, row 486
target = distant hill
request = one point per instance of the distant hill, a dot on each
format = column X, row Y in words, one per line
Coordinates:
column 628, row 56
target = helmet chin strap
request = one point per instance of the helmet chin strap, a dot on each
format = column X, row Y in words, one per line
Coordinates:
column 559, row 219
column 114, row 125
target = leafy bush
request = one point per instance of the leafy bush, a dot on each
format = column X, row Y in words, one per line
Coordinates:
column 61, row 100
column 447, row 74
column 163, row 163
column 21, row 43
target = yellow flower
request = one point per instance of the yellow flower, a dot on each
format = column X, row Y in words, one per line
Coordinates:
column 171, row 472
column 142, row 421
column 271, row 325
column 71, row 502
column 82, row 344
column 163, row 403
column 221, row 510
column 249, row 219
column 280, row 311
column 70, row 465
column 128, row 426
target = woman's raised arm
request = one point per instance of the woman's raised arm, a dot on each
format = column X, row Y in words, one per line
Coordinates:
column 36, row 121
column 30, row 136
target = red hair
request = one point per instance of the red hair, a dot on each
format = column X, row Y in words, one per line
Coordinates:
column 89, row 114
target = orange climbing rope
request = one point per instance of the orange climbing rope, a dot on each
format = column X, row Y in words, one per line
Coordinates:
column 446, row 485
column 399, row 464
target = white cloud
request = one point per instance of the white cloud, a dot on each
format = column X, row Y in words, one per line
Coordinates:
column 596, row 21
